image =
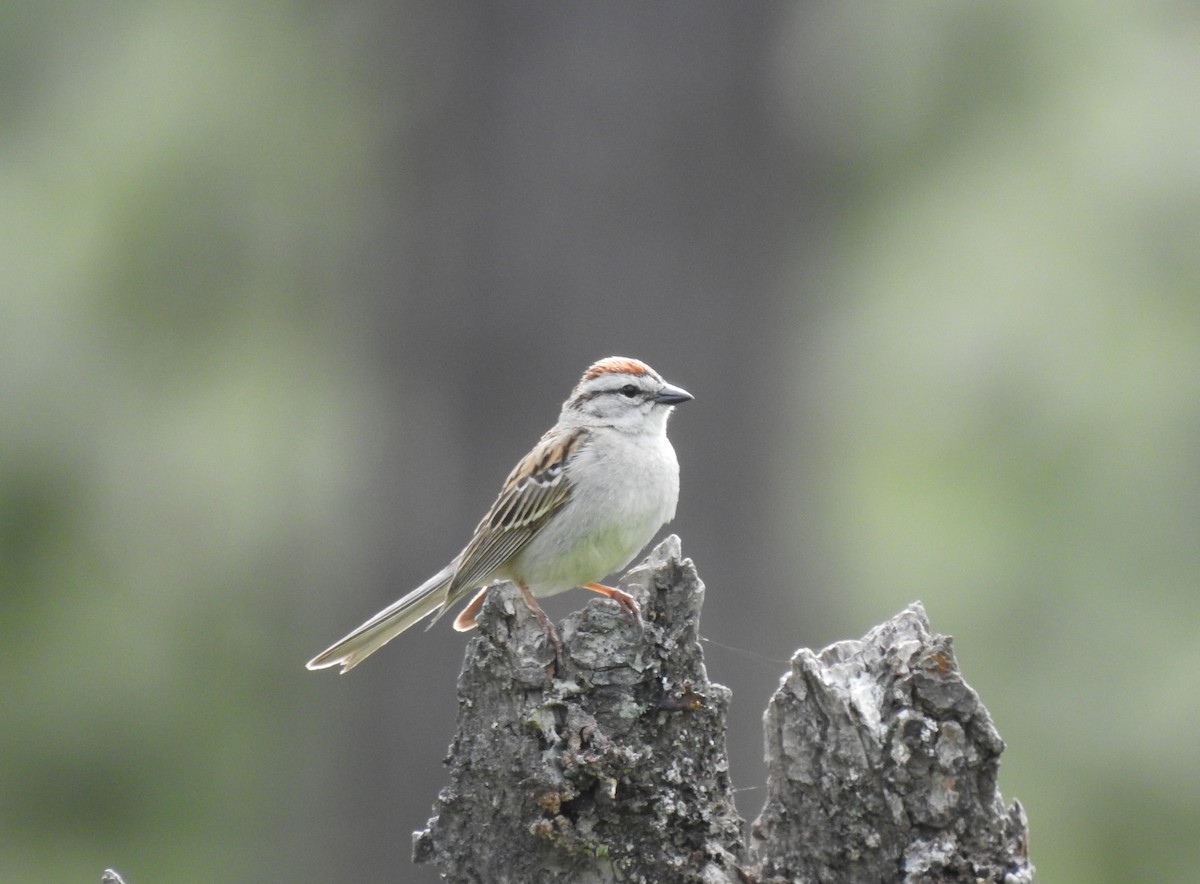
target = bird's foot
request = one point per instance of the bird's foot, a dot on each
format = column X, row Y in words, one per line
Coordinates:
column 560, row 657
column 627, row 602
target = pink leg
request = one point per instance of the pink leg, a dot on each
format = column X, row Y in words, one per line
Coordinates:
column 466, row 617
column 624, row 599
column 547, row 626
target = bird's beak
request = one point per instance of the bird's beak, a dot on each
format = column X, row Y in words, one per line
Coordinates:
column 671, row 395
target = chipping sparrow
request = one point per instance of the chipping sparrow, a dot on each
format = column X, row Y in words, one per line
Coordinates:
column 593, row 491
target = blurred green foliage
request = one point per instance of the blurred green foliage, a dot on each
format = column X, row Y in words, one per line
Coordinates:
column 177, row 184
column 1008, row 372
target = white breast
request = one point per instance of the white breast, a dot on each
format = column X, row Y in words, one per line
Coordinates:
column 624, row 489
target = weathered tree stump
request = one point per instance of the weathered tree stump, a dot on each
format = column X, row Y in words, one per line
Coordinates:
column 882, row 762
column 615, row 771
column 882, row 766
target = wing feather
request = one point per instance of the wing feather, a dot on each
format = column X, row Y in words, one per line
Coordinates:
column 535, row 489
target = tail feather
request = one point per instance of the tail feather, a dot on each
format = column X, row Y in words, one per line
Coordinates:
column 386, row 625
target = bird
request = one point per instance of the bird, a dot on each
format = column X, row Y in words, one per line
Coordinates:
column 591, row 493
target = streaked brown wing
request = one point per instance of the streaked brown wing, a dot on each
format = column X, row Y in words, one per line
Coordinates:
column 533, row 491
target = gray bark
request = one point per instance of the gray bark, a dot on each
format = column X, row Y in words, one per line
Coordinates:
column 615, row 771
column 882, row 766
column 882, row 761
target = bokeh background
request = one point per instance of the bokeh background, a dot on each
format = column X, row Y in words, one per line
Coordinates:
column 286, row 288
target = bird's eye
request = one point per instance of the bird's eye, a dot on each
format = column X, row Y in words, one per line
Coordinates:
column 628, row 391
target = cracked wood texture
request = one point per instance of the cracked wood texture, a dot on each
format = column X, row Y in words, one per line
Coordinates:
column 882, row 762
column 614, row 771
column 882, row 766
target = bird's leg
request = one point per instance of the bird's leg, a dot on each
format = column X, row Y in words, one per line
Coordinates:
column 627, row 602
column 547, row 626
column 466, row 617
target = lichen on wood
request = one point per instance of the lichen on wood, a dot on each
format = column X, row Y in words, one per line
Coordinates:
column 882, row 762
column 613, row 769
column 882, row 766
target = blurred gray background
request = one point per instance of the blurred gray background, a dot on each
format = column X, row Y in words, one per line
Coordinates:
column 288, row 287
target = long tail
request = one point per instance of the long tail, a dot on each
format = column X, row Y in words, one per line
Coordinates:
column 386, row 625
